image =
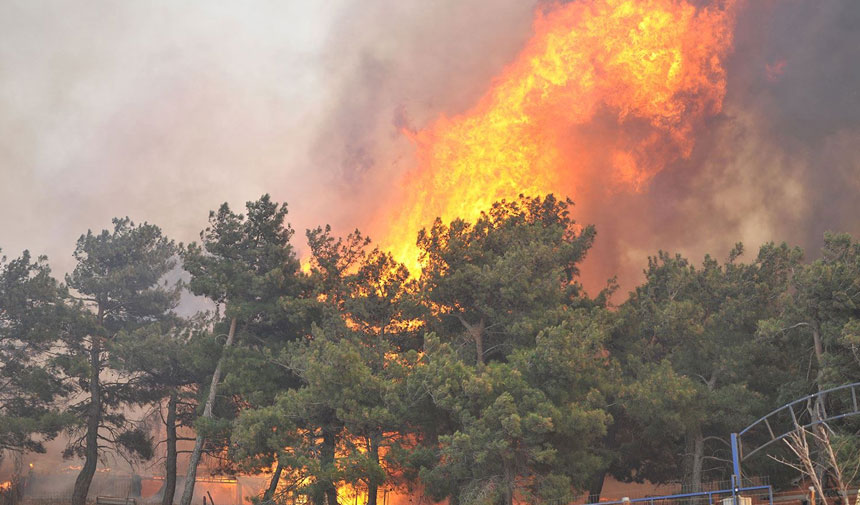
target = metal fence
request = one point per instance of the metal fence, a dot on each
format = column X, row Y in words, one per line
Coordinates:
column 750, row 495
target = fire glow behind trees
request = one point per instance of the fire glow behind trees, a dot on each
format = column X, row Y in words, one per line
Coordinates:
column 655, row 65
column 484, row 374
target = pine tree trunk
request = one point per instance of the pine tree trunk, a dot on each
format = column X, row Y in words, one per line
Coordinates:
column 372, row 486
column 327, row 456
column 316, row 494
column 191, row 476
column 476, row 331
column 510, row 478
column 595, row 486
column 170, row 463
column 479, row 347
column 372, row 493
column 273, row 483
column 94, row 417
column 696, row 457
column 819, row 411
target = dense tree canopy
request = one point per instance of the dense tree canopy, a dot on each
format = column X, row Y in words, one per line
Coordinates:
column 692, row 354
column 505, row 277
column 31, row 317
column 491, row 377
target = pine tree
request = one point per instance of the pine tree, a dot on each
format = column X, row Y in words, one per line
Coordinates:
column 116, row 287
column 32, row 316
column 244, row 263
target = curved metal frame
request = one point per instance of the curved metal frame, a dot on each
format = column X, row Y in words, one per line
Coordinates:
column 738, row 456
column 737, row 487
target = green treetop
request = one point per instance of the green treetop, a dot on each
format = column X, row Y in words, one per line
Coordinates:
column 501, row 280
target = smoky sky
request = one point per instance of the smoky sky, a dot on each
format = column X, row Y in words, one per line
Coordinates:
column 780, row 163
column 163, row 110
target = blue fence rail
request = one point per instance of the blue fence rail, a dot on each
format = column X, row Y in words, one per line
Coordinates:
column 734, row 493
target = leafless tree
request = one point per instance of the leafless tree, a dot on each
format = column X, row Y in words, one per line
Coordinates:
column 802, row 442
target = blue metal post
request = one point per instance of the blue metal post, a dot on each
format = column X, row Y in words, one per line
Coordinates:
column 736, row 461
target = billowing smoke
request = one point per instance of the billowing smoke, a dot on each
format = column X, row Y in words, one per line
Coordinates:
column 777, row 163
column 163, row 111
column 780, row 163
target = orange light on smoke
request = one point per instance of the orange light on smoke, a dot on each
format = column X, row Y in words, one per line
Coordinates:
column 653, row 69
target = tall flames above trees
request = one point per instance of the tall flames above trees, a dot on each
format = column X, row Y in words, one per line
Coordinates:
column 654, row 69
column 491, row 379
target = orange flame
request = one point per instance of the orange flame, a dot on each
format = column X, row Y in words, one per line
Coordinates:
column 654, row 68
column 350, row 495
column 5, row 486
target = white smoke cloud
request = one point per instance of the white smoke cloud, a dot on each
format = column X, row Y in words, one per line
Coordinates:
column 162, row 110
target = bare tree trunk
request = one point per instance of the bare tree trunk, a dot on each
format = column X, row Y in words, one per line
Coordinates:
column 273, row 483
column 191, row 476
column 799, row 445
column 170, row 458
column 94, row 418
column 835, row 468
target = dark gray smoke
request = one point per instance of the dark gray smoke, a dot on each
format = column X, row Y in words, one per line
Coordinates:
column 782, row 162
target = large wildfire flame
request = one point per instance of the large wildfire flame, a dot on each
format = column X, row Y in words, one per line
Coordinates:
column 650, row 69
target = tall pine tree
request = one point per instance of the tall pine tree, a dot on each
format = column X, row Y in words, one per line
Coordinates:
column 116, row 287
